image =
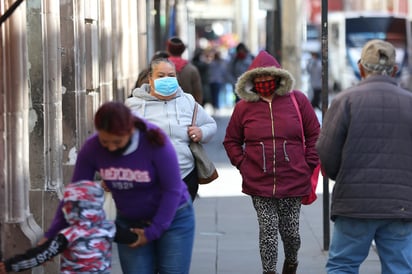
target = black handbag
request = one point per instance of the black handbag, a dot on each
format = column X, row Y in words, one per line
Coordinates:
column 206, row 170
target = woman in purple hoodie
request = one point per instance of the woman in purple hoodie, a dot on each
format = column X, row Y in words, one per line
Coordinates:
column 271, row 140
column 138, row 164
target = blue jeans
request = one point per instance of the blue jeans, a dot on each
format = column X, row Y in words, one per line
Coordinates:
column 170, row 254
column 352, row 239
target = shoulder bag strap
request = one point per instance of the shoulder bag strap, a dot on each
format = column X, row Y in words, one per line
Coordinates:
column 295, row 104
column 194, row 115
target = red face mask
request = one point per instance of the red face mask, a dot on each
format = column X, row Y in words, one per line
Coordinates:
column 241, row 55
column 265, row 88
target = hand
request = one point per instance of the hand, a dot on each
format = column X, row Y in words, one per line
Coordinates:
column 42, row 241
column 195, row 134
column 141, row 240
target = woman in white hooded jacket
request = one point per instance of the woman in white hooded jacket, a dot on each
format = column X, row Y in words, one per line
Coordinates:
column 165, row 104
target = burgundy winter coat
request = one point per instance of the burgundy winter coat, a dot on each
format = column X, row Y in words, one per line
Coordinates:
column 264, row 139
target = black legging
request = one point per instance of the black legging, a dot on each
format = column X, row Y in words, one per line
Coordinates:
column 316, row 98
column 277, row 216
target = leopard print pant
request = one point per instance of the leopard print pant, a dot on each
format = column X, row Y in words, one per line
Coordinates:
column 277, row 215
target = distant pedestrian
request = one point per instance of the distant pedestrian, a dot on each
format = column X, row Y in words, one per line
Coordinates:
column 200, row 61
column 264, row 141
column 218, row 77
column 365, row 145
column 239, row 64
column 187, row 74
column 314, row 68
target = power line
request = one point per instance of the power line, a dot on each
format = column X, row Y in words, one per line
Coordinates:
column 10, row 11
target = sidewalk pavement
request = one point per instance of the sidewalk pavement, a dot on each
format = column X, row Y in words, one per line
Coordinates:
column 227, row 232
column 226, row 238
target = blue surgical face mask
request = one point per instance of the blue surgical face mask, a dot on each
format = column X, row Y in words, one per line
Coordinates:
column 165, row 86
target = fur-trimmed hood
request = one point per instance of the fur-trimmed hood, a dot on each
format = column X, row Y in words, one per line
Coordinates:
column 263, row 64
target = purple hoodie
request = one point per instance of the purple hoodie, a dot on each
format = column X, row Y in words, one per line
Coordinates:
column 145, row 181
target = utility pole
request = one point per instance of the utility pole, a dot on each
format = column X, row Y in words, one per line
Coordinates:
column 325, row 103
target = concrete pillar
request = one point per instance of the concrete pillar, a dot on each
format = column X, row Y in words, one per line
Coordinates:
column 52, row 94
column 132, row 28
column 150, row 25
column 143, row 34
column 123, row 45
column 252, row 33
column 292, row 24
column 19, row 231
column 185, row 25
column 241, row 18
column 105, row 61
column 45, row 112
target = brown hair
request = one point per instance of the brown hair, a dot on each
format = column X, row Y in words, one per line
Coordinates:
column 116, row 118
column 175, row 46
column 142, row 78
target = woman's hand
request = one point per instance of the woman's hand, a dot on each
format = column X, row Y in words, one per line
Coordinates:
column 195, row 133
column 42, row 241
column 141, row 240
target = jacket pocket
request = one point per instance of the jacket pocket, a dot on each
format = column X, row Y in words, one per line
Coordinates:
column 255, row 157
column 262, row 145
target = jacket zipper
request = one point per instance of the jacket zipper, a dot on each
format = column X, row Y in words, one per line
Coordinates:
column 274, row 148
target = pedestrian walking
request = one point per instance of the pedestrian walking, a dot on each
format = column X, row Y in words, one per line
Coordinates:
column 139, row 166
column 264, row 141
column 218, row 77
column 365, row 145
column 200, row 61
column 165, row 104
column 187, row 74
column 239, row 63
column 314, row 68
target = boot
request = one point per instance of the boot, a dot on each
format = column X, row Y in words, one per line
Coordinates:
column 289, row 268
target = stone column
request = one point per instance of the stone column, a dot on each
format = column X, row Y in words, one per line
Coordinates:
column 105, row 62
column 19, row 231
column 292, row 24
column 252, row 33
column 45, row 112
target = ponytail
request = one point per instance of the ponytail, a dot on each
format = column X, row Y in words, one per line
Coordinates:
column 154, row 135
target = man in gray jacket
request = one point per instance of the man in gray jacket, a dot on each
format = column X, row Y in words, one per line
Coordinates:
column 365, row 145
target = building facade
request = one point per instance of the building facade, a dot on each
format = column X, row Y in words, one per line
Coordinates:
column 60, row 60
